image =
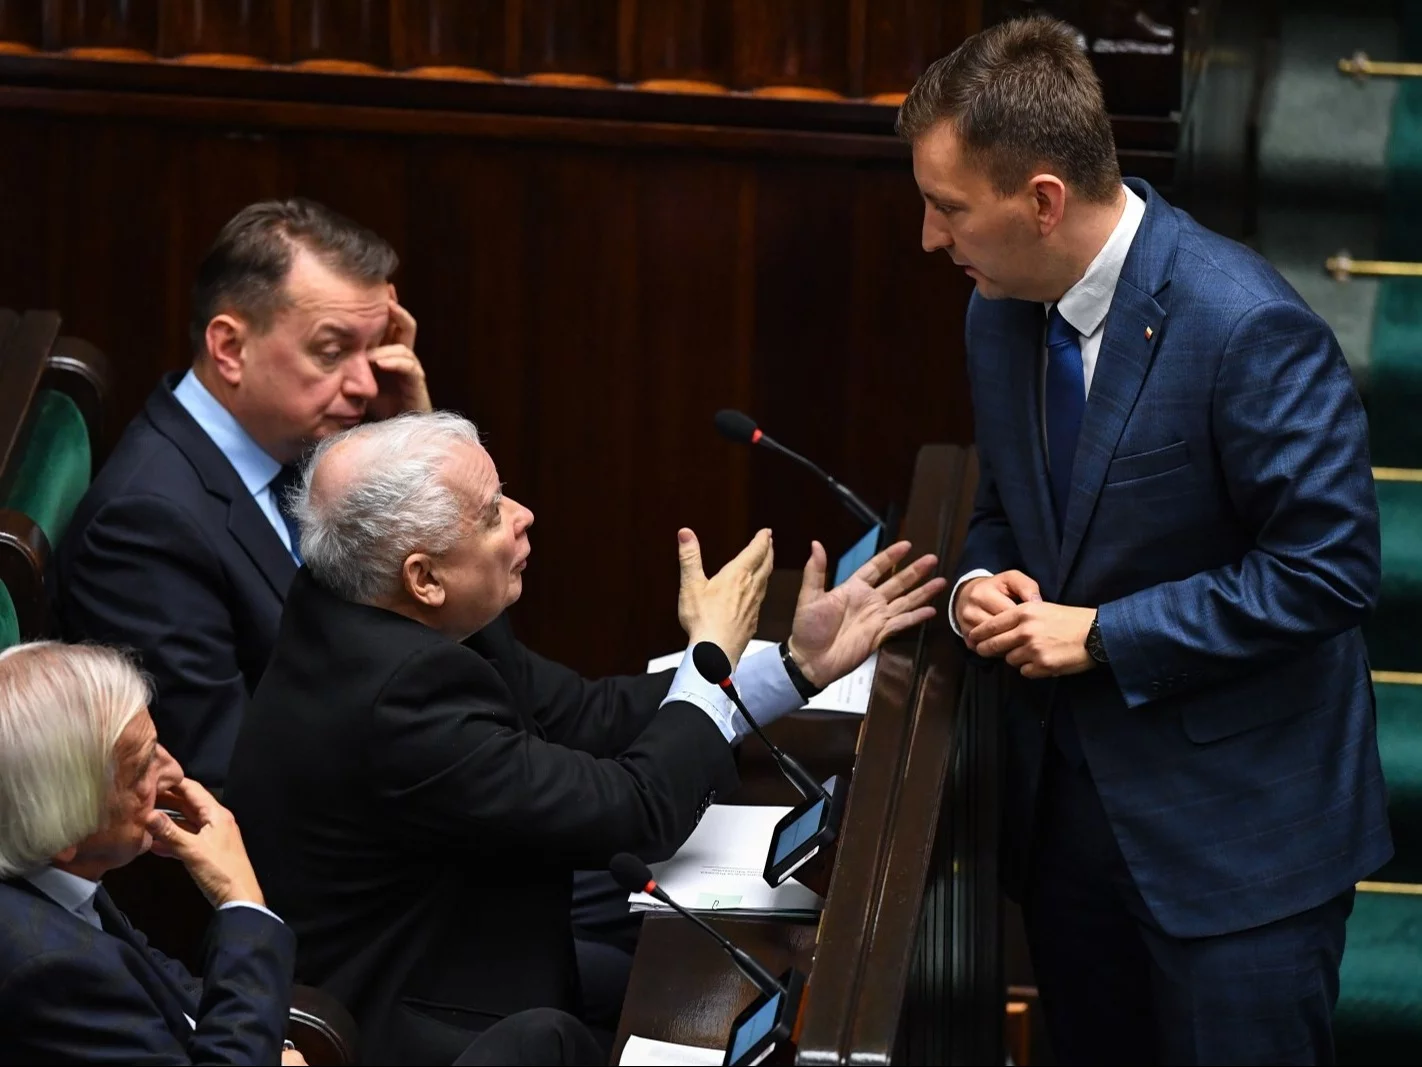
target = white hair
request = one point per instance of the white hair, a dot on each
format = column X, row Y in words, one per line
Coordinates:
column 62, row 709
column 355, row 537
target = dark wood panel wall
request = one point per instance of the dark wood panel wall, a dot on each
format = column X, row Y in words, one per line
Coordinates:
column 814, row 49
column 595, row 269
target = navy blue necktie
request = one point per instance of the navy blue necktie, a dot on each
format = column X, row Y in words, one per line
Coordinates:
column 1065, row 406
column 281, row 487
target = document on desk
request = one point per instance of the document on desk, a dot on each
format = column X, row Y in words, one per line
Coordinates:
column 644, row 1052
column 849, row 695
column 721, row 867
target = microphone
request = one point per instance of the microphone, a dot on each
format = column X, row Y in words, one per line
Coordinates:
column 636, row 877
column 739, row 427
column 712, row 664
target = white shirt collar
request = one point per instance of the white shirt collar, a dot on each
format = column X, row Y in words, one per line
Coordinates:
column 69, row 891
column 1086, row 303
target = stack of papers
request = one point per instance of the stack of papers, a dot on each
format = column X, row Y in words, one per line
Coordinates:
column 644, row 1052
column 721, row 867
column 849, row 695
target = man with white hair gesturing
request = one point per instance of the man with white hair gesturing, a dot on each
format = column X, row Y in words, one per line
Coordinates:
column 81, row 775
column 417, row 787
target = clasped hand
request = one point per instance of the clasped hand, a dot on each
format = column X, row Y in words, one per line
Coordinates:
column 1005, row 616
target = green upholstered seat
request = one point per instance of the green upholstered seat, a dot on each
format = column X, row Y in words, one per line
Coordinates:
column 1395, row 631
column 1379, row 1013
column 9, row 622
column 54, row 465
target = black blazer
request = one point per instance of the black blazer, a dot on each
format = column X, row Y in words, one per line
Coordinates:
column 415, row 809
column 73, row 994
column 169, row 554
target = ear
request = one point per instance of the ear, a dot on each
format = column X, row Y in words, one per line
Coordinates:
column 1049, row 201
column 226, row 336
column 65, row 855
column 418, row 576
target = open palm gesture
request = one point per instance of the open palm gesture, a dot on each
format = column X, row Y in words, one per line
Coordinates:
column 836, row 630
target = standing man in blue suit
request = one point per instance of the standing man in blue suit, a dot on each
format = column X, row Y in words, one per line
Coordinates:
column 1174, row 542
column 180, row 549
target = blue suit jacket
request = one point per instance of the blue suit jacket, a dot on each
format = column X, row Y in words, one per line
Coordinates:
column 1223, row 520
column 169, row 554
column 72, row 994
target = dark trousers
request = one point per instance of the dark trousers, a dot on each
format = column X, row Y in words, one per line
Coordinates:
column 533, row 1038
column 1115, row 989
column 605, row 935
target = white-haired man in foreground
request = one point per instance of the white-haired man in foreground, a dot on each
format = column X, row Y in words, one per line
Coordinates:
column 418, row 788
column 81, row 778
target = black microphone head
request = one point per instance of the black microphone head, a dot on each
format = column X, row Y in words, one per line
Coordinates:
column 711, row 662
column 737, row 426
column 630, row 873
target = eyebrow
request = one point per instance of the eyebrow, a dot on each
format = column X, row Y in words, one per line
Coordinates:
column 491, row 509
column 147, row 760
column 333, row 329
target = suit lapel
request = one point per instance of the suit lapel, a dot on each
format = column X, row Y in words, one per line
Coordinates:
column 116, row 923
column 1133, row 330
column 251, row 529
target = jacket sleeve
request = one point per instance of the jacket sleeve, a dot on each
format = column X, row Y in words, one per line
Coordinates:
column 145, row 578
column 1291, row 437
column 456, row 770
column 93, row 1007
column 600, row 717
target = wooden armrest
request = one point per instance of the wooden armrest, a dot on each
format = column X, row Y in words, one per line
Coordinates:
column 321, row 1028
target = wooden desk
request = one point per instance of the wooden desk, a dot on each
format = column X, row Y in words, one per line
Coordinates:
column 904, row 964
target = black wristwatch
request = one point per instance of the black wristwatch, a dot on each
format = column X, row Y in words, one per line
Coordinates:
column 1095, row 647
column 803, row 685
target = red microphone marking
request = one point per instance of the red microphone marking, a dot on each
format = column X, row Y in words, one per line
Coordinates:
column 756, row 435
column 650, row 887
column 725, row 684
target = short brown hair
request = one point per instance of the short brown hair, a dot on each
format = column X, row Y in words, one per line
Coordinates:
column 1021, row 94
column 245, row 269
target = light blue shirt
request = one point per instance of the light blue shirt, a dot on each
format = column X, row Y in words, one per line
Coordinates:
column 252, row 464
column 760, row 679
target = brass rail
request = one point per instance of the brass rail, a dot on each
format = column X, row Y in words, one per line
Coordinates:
column 1397, row 474
column 1343, row 266
column 1360, row 66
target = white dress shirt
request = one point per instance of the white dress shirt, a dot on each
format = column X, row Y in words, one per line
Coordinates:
column 1084, row 307
column 248, row 459
column 760, row 679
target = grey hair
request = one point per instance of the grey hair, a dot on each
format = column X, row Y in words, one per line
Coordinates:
column 355, row 540
column 62, row 709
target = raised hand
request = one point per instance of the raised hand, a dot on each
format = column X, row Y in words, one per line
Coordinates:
column 206, row 842
column 398, row 370
column 726, row 608
column 836, row 630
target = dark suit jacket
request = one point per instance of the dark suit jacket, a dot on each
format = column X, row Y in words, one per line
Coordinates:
column 1222, row 519
column 73, row 994
column 415, row 809
column 169, row 554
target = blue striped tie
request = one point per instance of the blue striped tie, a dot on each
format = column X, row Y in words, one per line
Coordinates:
column 1065, row 405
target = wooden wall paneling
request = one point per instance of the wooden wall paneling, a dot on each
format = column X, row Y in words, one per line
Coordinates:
column 792, row 48
column 21, row 26
column 225, row 33
column 341, row 36
column 25, row 194
column 804, row 271
column 902, row 37
column 680, row 45
column 904, row 377
column 112, row 30
column 568, row 44
column 462, row 39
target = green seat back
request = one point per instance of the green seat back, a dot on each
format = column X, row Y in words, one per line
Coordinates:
column 9, row 621
column 54, row 465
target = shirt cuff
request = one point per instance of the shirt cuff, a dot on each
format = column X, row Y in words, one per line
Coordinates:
column 249, row 904
column 688, row 686
column 765, row 686
column 953, row 600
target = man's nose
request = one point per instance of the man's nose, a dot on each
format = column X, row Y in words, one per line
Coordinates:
column 170, row 771
column 936, row 235
column 360, row 379
column 523, row 517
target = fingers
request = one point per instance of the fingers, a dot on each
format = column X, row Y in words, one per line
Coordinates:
column 688, row 552
column 909, row 619
column 168, row 838
column 397, row 359
column 909, row 577
column 916, row 598
column 812, row 581
column 766, row 564
column 402, row 324
column 753, row 555
column 883, row 564
column 195, row 803
column 1018, row 586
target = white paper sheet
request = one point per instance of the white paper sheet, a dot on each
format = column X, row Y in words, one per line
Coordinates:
column 849, row 695
column 644, row 1052
column 721, row 866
